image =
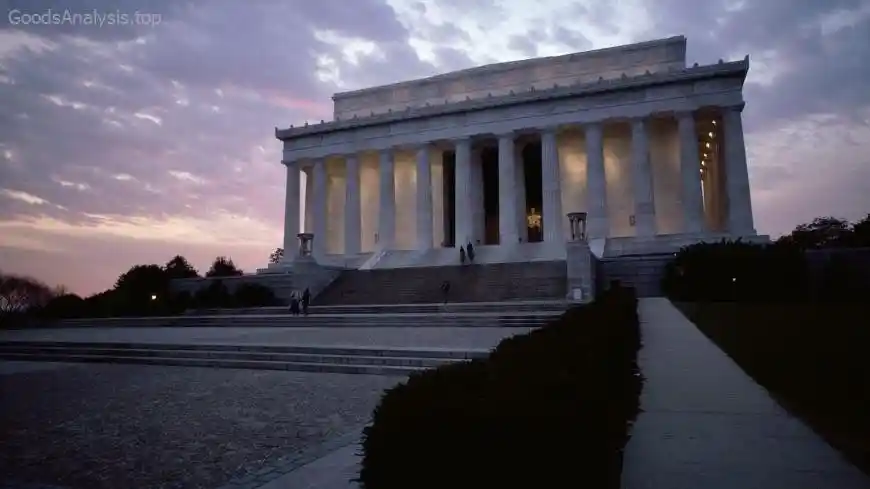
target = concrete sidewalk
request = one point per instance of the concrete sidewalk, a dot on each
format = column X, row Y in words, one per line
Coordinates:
column 705, row 423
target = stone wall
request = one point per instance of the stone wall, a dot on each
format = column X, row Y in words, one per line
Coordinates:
column 518, row 76
column 282, row 284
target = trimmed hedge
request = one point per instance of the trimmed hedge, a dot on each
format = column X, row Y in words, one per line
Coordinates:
column 545, row 409
column 736, row 271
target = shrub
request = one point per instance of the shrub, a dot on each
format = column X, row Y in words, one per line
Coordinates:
column 64, row 306
column 254, row 295
column 212, row 296
column 734, row 270
column 843, row 280
column 544, row 408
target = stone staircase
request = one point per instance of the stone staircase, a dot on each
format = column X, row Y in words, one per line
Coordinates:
column 305, row 358
column 480, row 315
column 499, row 282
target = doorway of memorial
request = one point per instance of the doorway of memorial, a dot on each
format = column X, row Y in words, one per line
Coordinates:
column 448, row 161
column 529, row 213
column 532, row 225
column 489, row 164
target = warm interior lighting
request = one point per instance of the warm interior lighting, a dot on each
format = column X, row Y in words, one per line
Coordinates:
column 714, row 123
column 534, row 219
column 710, row 134
column 705, row 155
column 707, row 144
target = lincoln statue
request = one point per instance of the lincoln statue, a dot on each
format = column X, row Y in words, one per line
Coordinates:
column 648, row 150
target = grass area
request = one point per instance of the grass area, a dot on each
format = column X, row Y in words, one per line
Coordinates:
column 811, row 356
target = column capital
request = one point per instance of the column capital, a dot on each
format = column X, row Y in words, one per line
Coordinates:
column 593, row 125
column 506, row 134
column 684, row 114
column 638, row 120
column 734, row 108
column 549, row 129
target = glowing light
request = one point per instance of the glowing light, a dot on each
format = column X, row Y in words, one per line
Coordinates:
column 707, row 144
column 710, row 134
column 153, row 297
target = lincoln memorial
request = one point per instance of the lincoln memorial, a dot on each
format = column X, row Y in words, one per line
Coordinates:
column 649, row 151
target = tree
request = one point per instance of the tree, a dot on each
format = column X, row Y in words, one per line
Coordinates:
column 179, row 267
column 823, row 232
column 19, row 295
column 276, row 255
column 861, row 232
column 144, row 289
column 223, row 267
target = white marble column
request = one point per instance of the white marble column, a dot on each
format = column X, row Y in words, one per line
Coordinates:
column 478, row 216
column 690, row 174
column 387, row 203
column 642, row 184
column 352, row 209
column 597, row 223
column 551, row 188
column 507, row 187
column 309, row 200
column 740, row 221
column 319, row 214
column 291, row 211
column 462, row 194
column 522, row 220
column 424, row 199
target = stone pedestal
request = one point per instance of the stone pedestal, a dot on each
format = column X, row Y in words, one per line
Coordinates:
column 581, row 272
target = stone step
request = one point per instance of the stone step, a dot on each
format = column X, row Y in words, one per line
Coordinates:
column 525, row 319
column 554, row 306
column 309, row 358
column 471, row 283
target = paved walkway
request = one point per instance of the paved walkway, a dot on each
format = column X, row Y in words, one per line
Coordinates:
column 705, row 423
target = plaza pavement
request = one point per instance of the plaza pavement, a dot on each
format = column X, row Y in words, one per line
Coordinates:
column 704, row 423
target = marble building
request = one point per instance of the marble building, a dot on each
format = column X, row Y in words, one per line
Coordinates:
column 649, row 148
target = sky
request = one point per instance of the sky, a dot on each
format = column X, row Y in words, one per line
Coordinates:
column 130, row 142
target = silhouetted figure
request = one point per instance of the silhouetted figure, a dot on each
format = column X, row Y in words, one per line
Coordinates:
column 306, row 298
column 462, row 255
column 294, row 303
column 445, row 290
column 470, row 252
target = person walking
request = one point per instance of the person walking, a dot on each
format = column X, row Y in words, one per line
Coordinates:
column 462, row 255
column 470, row 249
column 445, row 290
column 306, row 299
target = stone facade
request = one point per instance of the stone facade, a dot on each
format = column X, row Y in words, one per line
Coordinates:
column 651, row 149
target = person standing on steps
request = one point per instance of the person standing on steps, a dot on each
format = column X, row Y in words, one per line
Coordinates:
column 461, row 255
column 470, row 249
column 445, row 290
column 306, row 298
column 294, row 303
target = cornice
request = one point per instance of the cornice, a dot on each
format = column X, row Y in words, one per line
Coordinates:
column 721, row 69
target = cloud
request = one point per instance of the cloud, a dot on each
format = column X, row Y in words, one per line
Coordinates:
column 129, row 143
